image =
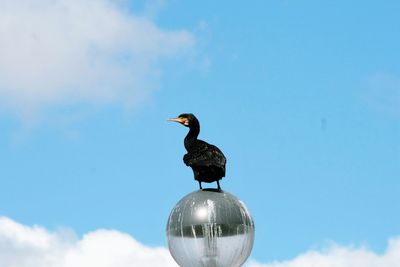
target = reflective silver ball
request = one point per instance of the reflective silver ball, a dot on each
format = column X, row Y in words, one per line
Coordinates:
column 208, row 228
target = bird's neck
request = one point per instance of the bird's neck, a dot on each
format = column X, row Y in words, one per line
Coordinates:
column 192, row 136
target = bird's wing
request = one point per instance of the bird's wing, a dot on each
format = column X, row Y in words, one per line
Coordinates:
column 205, row 155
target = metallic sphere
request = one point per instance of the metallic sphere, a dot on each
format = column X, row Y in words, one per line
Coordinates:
column 209, row 228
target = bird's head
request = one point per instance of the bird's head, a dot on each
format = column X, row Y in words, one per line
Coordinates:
column 186, row 119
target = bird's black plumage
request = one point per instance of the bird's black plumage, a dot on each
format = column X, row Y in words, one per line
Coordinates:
column 206, row 160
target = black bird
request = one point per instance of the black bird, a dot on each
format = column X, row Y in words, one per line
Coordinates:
column 207, row 161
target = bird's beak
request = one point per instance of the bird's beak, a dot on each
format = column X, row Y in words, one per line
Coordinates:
column 183, row 121
column 176, row 120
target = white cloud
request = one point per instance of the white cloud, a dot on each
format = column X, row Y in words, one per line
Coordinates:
column 342, row 256
column 35, row 246
column 62, row 52
column 24, row 246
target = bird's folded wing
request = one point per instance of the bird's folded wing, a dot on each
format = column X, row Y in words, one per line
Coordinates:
column 206, row 155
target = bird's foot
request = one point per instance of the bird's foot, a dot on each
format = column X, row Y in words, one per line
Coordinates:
column 219, row 187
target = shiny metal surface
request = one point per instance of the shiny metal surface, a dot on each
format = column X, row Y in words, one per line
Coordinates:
column 208, row 228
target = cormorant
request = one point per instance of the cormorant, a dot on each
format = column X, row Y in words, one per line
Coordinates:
column 206, row 160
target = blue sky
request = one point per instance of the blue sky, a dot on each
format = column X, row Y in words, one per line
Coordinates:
column 303, row 97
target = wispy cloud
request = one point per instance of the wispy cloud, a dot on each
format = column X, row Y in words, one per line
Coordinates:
column 25, row 246
column 383, row 93
column 63, row 52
